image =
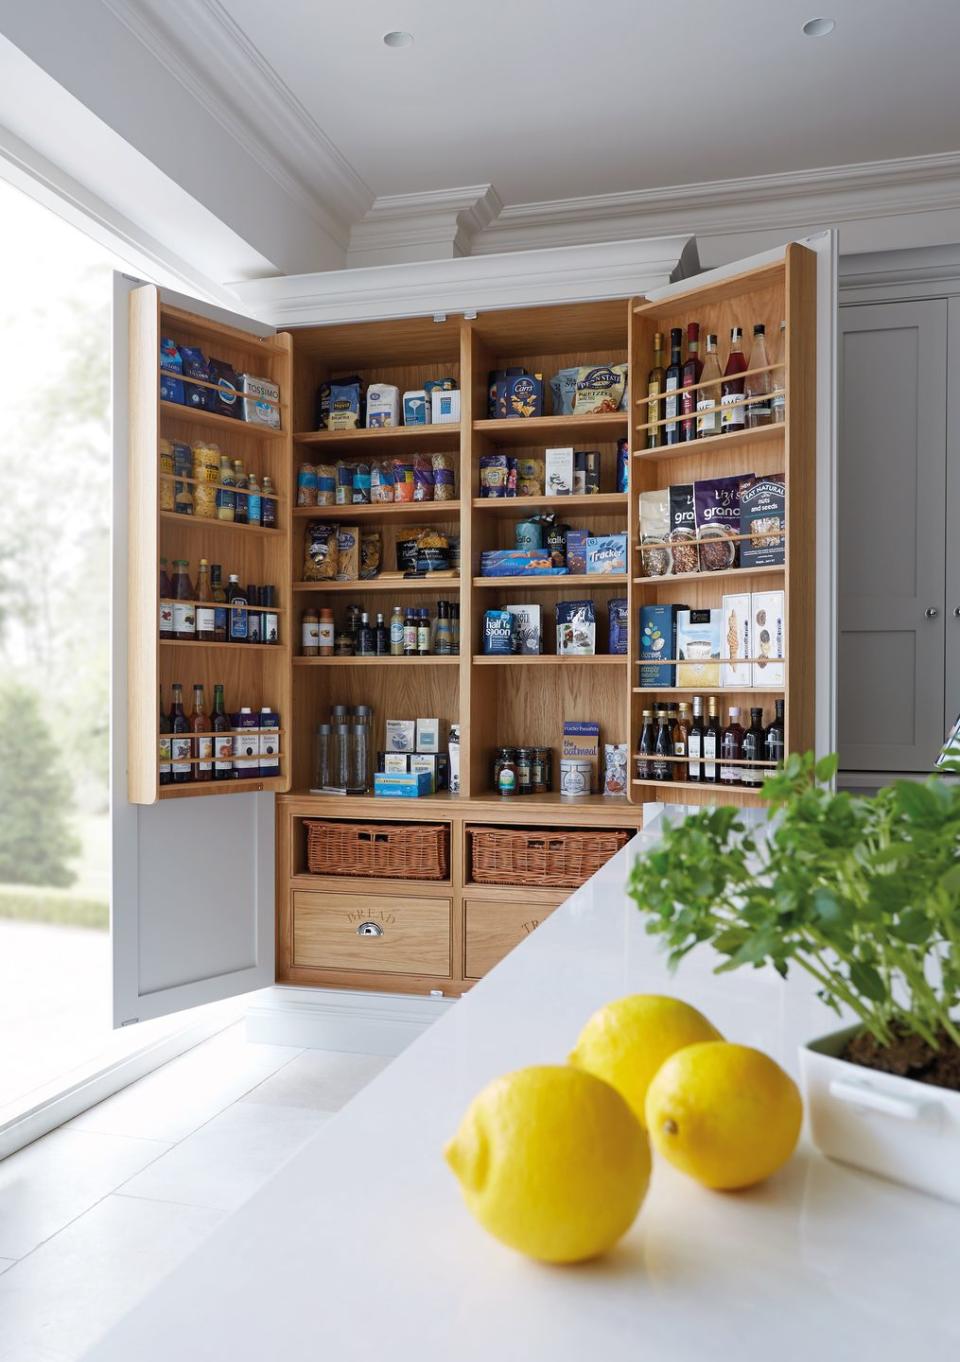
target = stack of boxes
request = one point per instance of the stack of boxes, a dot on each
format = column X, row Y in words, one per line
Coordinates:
column 412, row 764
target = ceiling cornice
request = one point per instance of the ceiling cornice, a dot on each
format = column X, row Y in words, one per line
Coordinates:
column 436, row 225
column 792, row 200
column 199, row 44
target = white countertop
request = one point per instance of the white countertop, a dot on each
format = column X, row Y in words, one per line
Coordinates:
column 361, row 1247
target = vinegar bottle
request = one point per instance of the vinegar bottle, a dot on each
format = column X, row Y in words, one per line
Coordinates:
column 758, row 386
column 731, row 414
column 778, row 406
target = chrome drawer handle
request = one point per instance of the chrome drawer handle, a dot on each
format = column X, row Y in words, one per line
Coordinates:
column 369, row 929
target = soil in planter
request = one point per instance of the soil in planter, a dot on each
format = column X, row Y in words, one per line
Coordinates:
column 909, row 1057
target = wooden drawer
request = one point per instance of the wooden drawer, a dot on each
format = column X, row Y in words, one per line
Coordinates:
column 371, row 932
column 492, row 929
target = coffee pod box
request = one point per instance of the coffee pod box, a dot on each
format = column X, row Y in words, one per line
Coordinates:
column 401, row 735
column 428, row 735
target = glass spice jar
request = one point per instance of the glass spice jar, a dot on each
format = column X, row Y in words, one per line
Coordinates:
column 310, row 633
column 538, row 774
column 524, row 764
column 505, row 772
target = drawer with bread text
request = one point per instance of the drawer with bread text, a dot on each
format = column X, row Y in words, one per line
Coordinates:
column 492, row 928
column 395, row 935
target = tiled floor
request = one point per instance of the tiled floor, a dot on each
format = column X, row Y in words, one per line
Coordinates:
column 95, row 1213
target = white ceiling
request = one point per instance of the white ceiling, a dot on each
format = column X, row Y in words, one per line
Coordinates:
column 547, row 99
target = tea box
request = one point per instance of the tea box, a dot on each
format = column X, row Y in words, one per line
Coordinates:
column 409, row 786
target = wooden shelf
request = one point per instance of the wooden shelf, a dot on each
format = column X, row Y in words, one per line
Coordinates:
column 707, row 690
column 196, row 521
column 198, row 643
column 432, row 661
column 432, row 582
column 537, row 583
column 603, row 503
column 742, row 439
column 399, row 439
column 701, row 785
column 382, row 510
column 778, row 570
column 199, row 788
column 198, row 416
column 548, row 431
column 549, row 660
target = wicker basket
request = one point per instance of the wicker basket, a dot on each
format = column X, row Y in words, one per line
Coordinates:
column 536, row 856
column 409, row 851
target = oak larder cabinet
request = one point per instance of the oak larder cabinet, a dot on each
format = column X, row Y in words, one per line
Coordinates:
column 431, row 935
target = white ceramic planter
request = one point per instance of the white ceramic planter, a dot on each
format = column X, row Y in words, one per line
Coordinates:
column 903, row 1130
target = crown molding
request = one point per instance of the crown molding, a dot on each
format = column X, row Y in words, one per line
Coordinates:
column 917, row 272
column 198, row 43
column 791, row 201
column 435, row 225
column 470, row 284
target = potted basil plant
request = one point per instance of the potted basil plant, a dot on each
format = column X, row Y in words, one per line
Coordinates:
column 862, row 893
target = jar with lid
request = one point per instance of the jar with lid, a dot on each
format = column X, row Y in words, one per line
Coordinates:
column 321, row 757
column 524, row 770
column 340, row 756
column 505, row 772
column 310, row 633
column 361, row 729
column 325, row 632
column 538, row 771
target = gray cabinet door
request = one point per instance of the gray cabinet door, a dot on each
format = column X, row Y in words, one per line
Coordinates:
column 892, row 535
column 952, row 614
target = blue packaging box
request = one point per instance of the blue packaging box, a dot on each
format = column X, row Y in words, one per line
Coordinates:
column 617, row 627
column 607, row 553
column 409, row 786
column 658, row 640
column 523, row 394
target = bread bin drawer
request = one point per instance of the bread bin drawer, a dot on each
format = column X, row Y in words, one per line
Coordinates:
column 393, row 935
column 492, row 929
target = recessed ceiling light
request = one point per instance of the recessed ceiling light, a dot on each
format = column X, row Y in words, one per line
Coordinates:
column 397, row 39
column 815, row 28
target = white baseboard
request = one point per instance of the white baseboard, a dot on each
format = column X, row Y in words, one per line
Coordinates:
column 341, row 1019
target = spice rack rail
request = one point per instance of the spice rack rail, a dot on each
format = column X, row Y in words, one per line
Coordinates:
column 382, row 510
column 777, row 569
column 550, row 660
column 708, row 690
column 426, row 583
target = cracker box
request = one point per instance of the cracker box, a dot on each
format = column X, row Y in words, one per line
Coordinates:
column 763, row 504
column 348, row 553
column 581, row 741
column 417, row 409
column 428, row 735
column 523, row 395
column 736, row 670
column 698, row 647
column 445, row 406
column 409, row 786
column 401, row 735
column 559, row 470
column 527, row 633
column 767, row 636
column 607, row 554
column 658, row 642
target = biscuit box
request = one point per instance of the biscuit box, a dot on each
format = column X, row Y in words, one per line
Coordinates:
column 428, row 735
column 497, row 391
column 607, row 554
column 577, row 550
column 524, row 396
column 394, row 763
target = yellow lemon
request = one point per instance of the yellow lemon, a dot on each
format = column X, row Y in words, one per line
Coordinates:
column 552, row 1162
column 726, row 1115
column 627, row 1041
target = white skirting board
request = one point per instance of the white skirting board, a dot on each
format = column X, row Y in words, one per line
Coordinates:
column 342, row 1019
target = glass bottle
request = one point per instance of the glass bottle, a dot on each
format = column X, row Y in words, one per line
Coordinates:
column 361, row 742
column 506, row 770
column 681, row 731
column 226, row 498
column 268, row 505
column 711, row 743
column 340, row 755
column 254, row 615
column 423, row 632
column 759, row 385
column 396, row 632
column 656, row 383
column 774, row 738
column 455, row 628
column 695, row 742
column 184, row 611
column 409, row 633
column 708, row 399
column 661, row 768
column 202, row 739
column 671, row 387
column 240, row 505
column 731, row 748
column 754, row 748
column 180, row 745
column 321, row 757
column 206, row 614
column 443, row 638
column 692, row 369
column 366, row 642
column 778, row 404
column 166, row 773
column 220, row 611
column 381, row 637
column 166, row 602
column 731, row 411
column 222, row 737
column 270, row 624
column 253, row 500
column 237, row 600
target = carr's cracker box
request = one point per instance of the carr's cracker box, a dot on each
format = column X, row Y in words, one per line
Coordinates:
column 658, row 641
column 524, row 397
column 607, row 554
column 581, row 740
column 736, row 650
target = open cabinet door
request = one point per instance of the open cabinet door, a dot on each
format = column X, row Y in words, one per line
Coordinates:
column 192, row 911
